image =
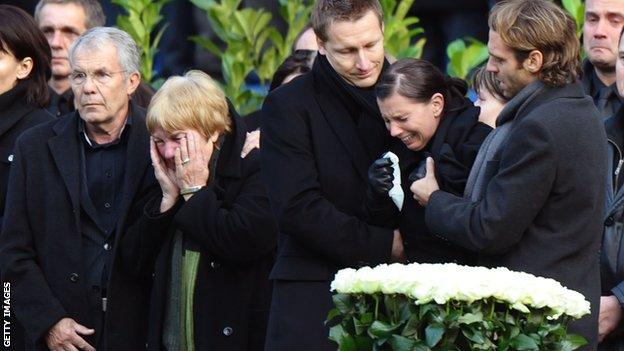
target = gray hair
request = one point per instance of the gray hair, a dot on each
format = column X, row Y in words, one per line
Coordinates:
column 94, row 13
column 128, row 52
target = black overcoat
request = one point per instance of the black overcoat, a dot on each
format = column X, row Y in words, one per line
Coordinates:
column 40, row 245
column 230, row 223
column 542, row 208
column 16, row 115
column 453, row 147
column 315, row 167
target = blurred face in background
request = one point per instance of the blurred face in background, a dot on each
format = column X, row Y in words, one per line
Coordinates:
column 619, row 69
column 490, row 106
column 62, row 24
column 604, row 20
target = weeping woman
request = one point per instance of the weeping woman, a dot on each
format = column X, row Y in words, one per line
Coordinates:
column 211, row 289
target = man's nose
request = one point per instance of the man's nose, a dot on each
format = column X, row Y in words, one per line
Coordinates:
column 363, row 63
column 56, row 40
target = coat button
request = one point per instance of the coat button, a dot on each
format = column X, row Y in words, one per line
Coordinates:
column 10, row 158
column 214, row 264
column 227, row 331
column 609, row 221
column 73, row 277
column 107, row 247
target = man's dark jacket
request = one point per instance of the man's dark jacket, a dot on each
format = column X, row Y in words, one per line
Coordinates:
column 542, row 208
column 612, row 254
column 315, row 168
column 230, row 223
column 40, row 246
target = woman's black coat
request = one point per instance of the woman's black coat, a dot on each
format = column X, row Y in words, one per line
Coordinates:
column 230, row 223
column 16, row 115
column 453, row 147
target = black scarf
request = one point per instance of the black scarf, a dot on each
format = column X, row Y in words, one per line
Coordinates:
column 360, row 103
column 17, row 93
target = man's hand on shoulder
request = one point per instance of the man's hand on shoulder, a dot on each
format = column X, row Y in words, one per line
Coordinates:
column 65, row 335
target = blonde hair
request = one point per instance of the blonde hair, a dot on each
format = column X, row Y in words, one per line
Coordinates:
column 193, row 101
column 527, row 25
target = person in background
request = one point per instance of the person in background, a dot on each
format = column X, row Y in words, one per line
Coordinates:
column 24, row 72
column 535, row 197
column 306, row 39
column 610, row 329
column 428, row 115
column 62, row 22
column 490, row 97
column 25, row 69
column 298, row 63
column 212, row 272
column 78, row 188
column 604, row 19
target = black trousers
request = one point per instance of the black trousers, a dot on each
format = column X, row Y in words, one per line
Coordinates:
column 298, row 312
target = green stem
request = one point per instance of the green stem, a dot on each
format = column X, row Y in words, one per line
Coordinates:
column 492, row 309
column 376, row 308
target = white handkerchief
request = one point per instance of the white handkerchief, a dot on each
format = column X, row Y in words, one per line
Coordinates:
column 396, row 193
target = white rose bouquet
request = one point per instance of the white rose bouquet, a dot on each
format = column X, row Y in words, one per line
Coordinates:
column 419, row 307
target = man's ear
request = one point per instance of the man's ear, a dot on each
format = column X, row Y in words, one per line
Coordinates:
column 133, row 81
column 24, row 68
column 321, row 46
column 533, row 62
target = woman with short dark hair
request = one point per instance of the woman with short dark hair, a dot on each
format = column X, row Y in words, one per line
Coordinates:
column 429, row 116
column 24, row 72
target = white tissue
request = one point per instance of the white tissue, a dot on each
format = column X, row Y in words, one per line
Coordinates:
column 396, row 193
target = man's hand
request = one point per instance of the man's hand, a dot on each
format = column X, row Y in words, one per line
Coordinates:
column 398, row 253
column 252, row 141
column 65, row 336
column 609, row 317
column 423, row 188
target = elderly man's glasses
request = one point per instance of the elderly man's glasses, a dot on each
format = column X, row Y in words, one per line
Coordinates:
column 100, row 76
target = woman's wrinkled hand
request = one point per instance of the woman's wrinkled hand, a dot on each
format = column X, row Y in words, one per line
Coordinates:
column 166, row 179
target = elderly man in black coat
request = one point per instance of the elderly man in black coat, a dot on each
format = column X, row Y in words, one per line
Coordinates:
column 535, row 197
column 320, row 134
column 77, row 190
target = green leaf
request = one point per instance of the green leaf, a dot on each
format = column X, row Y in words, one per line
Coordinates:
column 381, row 329
column 575, row 341
column 401, row 343
column 343, row 302
column 523, row 342
column 470, row 318
column 433, row 334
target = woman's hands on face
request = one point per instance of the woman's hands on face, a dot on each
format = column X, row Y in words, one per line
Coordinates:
column 166, row 179
column 191, row 161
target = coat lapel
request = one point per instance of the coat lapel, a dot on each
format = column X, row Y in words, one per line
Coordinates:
column 65, row 152
column 345, row 130
column 137, row 160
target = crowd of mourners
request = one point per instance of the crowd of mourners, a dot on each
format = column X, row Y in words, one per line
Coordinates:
column 136, row 219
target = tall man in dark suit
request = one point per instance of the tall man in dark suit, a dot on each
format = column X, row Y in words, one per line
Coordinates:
column 76, row 194
column 320, row 134
column 535, row 197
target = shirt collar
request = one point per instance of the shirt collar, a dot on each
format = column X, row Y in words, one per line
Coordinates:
column 83, row 134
